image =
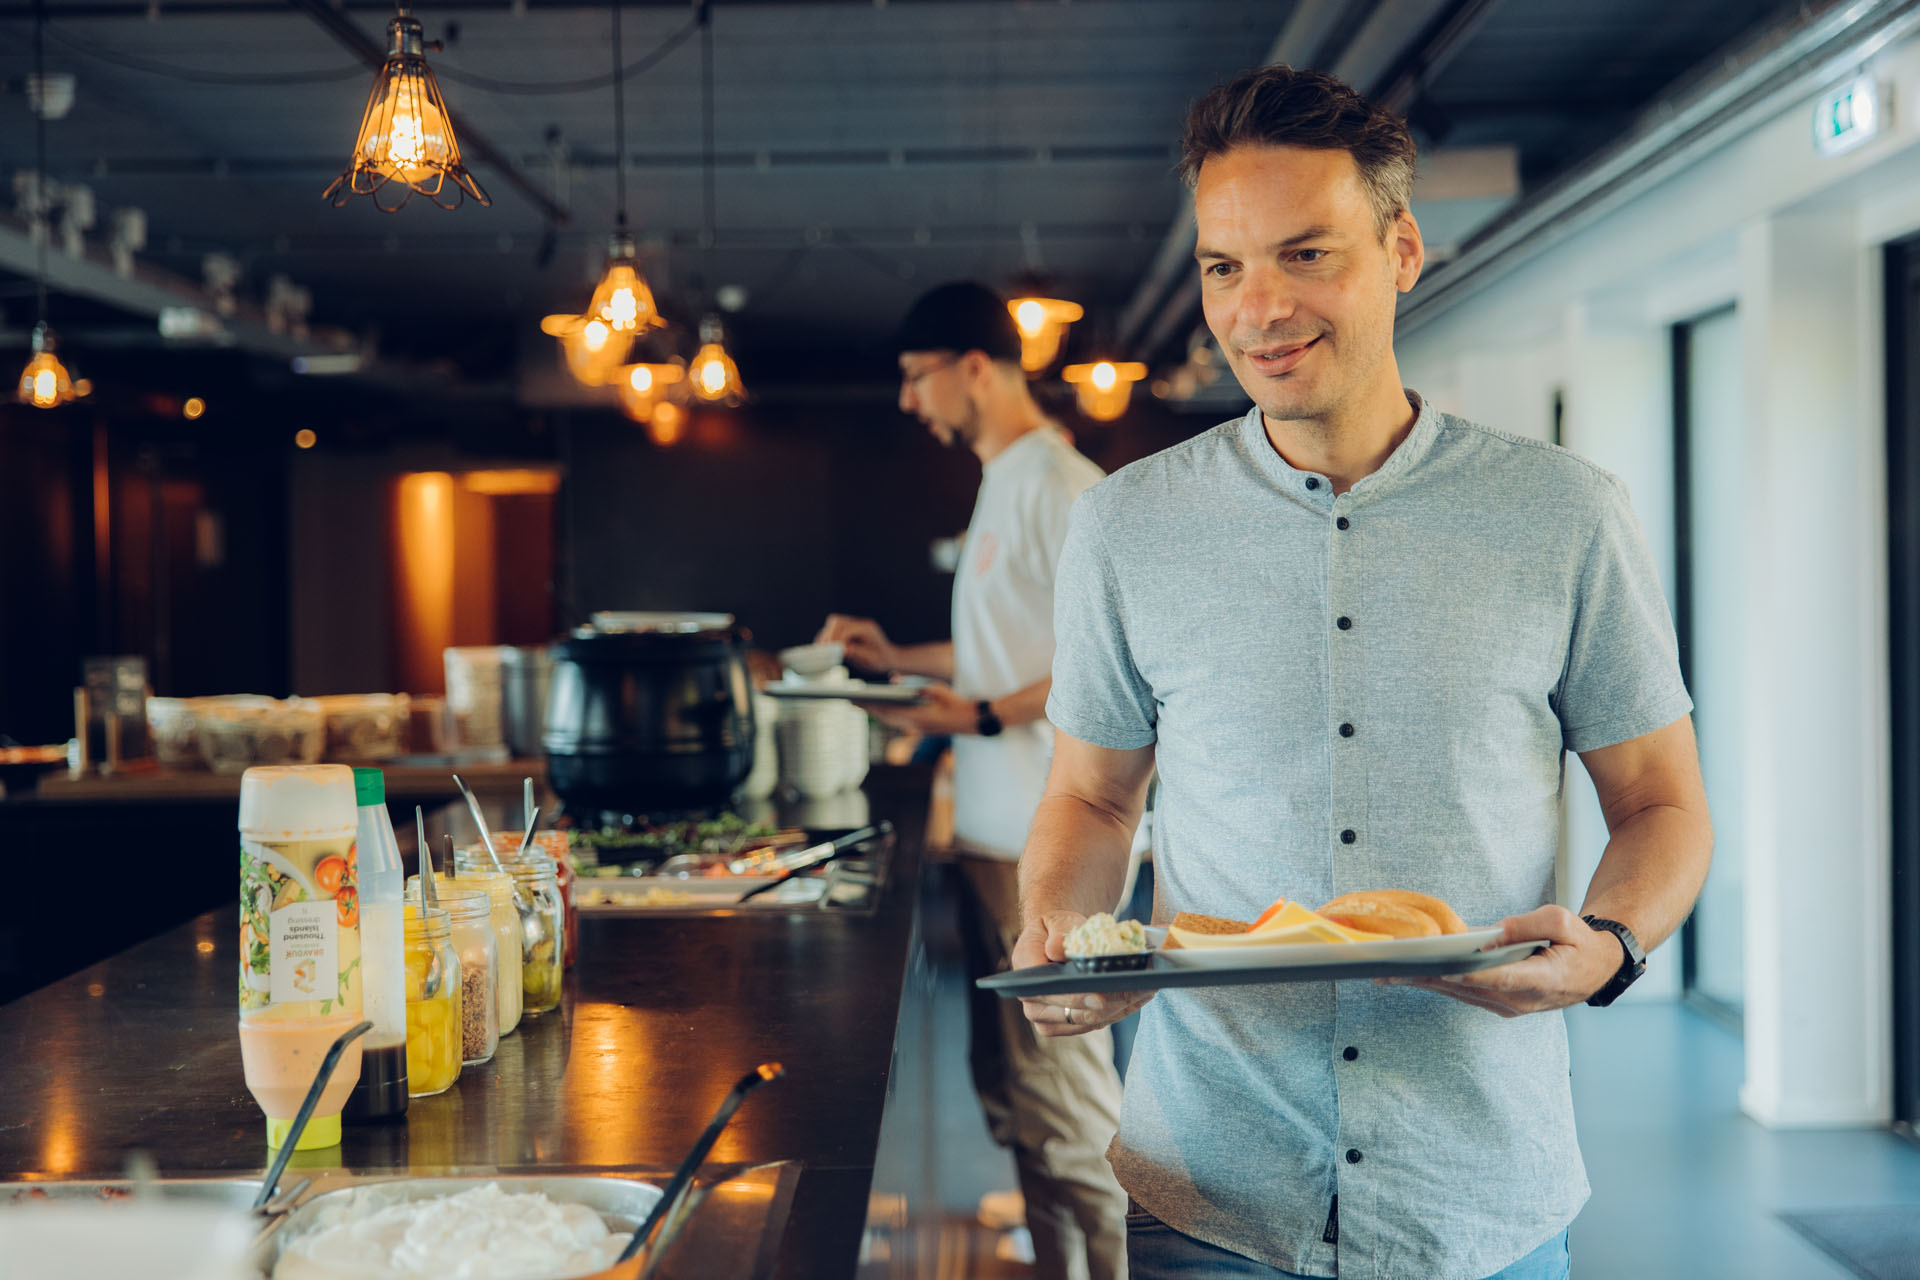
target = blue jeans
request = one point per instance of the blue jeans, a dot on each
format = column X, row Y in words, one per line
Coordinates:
column 1155, row 1251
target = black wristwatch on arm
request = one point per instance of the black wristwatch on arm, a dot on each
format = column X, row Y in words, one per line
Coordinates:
column 986, row 724
column 1631, row 968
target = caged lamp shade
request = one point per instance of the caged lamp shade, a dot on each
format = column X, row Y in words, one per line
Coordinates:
column 1042, row 323
column 1104, row 389
column 406, row 143
column 45, row 382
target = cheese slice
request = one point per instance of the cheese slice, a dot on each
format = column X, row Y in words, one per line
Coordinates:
column 1291, row 923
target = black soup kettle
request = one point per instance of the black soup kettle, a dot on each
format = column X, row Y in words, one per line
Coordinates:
column 650, row 713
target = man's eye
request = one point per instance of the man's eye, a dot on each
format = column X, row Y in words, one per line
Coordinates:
column 1309, row 255
column 1219, row 269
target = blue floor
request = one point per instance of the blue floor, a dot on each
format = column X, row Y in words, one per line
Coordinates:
column 1684, row 1185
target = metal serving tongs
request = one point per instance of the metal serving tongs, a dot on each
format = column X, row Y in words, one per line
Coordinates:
column 271, row 1182
column 792, row 864
column 667, row 1208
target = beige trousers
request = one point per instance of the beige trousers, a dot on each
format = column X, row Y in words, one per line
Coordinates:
column 1055, row 1102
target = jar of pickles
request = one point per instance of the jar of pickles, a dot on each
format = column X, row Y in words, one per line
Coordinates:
column 433, row 1001
column 554, row 843
column 471, row 911
column 539, row 936
column 543, row 937
column 505, row 919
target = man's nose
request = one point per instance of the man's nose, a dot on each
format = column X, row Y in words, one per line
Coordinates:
column 1267, row 301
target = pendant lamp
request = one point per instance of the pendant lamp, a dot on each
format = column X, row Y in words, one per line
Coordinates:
column 1042, row 323
column 716, row 378
column 406, row 135
column 45, row 382
column 644, row 387
column 1104, row 389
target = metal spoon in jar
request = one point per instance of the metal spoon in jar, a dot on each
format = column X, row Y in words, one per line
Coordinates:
column 429, row 896
column 486, row 842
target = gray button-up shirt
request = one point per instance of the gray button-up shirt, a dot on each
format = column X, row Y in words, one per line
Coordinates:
column 1501, row 608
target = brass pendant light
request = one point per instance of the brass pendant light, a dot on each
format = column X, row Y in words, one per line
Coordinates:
column 598, row 342
column 714, row 375
column 1042, row 323
column 1104, row 389
column 406, row 134
column 45, row 382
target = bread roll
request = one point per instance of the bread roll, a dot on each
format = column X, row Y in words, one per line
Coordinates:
column 1374, row 914
column 1443, row 915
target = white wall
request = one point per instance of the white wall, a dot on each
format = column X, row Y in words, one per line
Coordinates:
column 1791, row 237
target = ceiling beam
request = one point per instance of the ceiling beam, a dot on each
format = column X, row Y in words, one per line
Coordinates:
column 336, row 23
column 149, row 291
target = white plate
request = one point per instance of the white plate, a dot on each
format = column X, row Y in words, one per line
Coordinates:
column 1250, row 955
column 853, row 690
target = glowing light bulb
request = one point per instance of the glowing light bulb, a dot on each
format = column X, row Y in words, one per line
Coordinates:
column 1042, row 323
column 405, row 137
column 46, row 388
column 304, row 438
column 622, row 311
column 1104, row 389
column 641, row 379
column 595, row 335
column 193, row 408
column 713, row 377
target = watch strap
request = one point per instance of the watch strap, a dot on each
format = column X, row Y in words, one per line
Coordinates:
column 1632, row 965
column 986, row 723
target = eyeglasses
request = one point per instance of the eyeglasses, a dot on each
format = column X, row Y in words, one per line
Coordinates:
column 912, row 380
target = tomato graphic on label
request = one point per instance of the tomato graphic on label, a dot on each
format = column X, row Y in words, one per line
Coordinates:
column 347, row 903
column 330, row 874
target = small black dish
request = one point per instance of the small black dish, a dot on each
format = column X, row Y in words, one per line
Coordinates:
column 1111, row 964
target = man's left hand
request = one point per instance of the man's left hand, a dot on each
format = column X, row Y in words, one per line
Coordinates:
column 942, row 711
column 1579, row 963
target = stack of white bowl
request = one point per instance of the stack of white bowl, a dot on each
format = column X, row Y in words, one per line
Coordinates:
column 823, row 742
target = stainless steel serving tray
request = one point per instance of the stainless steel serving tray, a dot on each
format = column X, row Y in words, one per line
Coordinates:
column 729, row 1225
column 231, row 1193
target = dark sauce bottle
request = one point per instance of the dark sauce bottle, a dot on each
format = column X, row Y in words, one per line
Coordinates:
column 381, row 1093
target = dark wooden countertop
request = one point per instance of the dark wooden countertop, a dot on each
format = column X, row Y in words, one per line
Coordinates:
column 661, row 1016
column 427, row 783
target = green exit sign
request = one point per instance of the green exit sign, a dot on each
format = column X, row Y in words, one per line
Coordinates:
column 1848, row 116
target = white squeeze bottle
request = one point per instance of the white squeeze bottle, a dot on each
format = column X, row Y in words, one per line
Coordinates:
column 382, row 1091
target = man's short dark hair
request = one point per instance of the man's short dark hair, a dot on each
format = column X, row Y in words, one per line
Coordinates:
column 1278, row 106
column 960, row 316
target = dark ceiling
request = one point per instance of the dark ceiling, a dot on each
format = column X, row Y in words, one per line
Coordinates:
column 863, row 150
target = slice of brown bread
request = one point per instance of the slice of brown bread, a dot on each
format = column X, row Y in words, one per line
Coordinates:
column 1194, row 922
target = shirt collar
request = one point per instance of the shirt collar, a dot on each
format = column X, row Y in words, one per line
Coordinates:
column 1314, row 488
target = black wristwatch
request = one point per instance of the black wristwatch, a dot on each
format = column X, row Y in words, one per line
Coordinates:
column 1630, row 968
column 986, row 724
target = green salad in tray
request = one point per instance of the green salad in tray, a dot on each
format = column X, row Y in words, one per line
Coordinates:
column 655, row 842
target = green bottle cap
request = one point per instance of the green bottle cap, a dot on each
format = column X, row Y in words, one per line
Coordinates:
column 321, row 1131
column 369, row 786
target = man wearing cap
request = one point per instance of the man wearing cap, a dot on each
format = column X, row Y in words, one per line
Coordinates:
column 1055, row 1102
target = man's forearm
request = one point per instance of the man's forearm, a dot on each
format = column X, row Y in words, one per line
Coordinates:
column 934, row 659
column 1023, row 706
column 1652, row 871
column 1075, row 860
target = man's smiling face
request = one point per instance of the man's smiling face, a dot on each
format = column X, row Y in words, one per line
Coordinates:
column 1297, row 283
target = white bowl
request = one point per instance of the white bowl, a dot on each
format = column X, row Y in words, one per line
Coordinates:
column 813, row 659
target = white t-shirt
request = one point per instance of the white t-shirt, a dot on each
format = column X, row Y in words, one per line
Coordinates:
column 1003, row 631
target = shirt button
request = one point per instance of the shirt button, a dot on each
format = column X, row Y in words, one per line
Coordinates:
column 1313, row 482
column 1348, row 836
column 1346, row 731
column 1345, row 624
column 1341, row 523
column 1349, row 1053
column 1353, row 1156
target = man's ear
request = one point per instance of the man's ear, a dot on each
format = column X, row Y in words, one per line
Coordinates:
column 1407, row 250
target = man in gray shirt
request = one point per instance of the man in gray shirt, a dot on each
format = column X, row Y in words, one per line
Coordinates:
column 1357, row 636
